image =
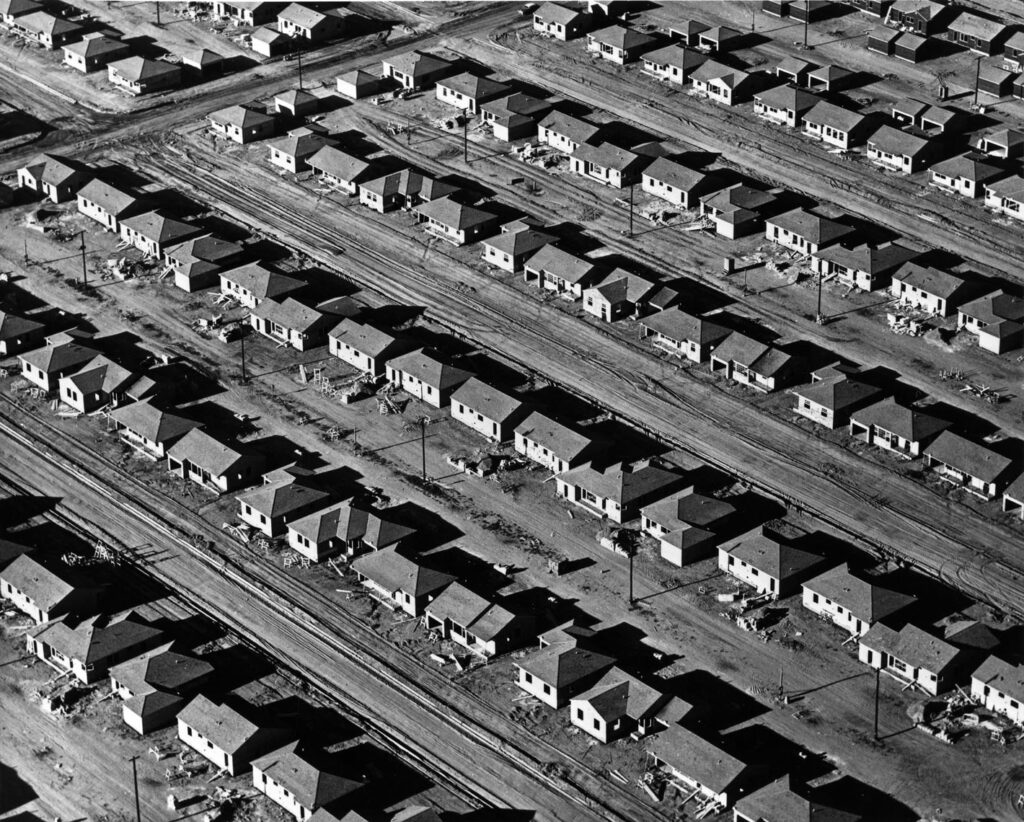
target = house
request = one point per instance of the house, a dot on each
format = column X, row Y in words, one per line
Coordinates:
column 830, row 401
column 758, row 365
column 477, row 624
column 406, row 189
column 979, row 34
column 997, row 320
column 564, row 132
column 268, row 42
column 488, row 411
column 289, row 321
column 18, row 333
column 784, row 105
column 608, row 164
column 913, row 656
column 618, row 492
column 769, row 565
column 1013, row 497
column 213, row 464
column 56, row 177
column 242, row 124
column 619, row 294
column 358, row 84
column 829, row 78
column 723, row 84
column 894, row 427
column 556, row 270
column 415, row 70
column 91, row 648
column 911, row 48
column 11, row 10
column 616, row 706
column 203, row 62
column 291, row 151
column 684, row 334
column 295, row 103
column 197, row 262
column 560, row 22
column 967, row 464
column 698, row 766
column 42, row 593
column 399, row 582
column 561, row 670
column 852, row 603
column 225, row 736
column 271, row 507
column 673, row 63
column 804, row 231
column 48, row 31
column 106, row 204
column 922, row 17
column 299, row 783
column 553, row 445
column 469, row 91
column 456, row 222
column 339, row 170
column 931, row 119
column 1004, row 144
column 882, row 40
column 156, row 685
column 1006, row 197
column 363, row 346
column 737, row 211
column 866, row 267
column 43, row 367
column 688, row 32
column 510, row 250
column 685, row 524
column 346, row 529
column 794, row 70
column 929, row 289
column 152, row 232
column 251, row 284
column 150, row 429
column 316, row 26
column 141, row 75
column 1013, row 52
column 718, row 38
column 999, row 686
column 425, row 375
column 897, row 150
column 619, row 44
column 94, row 52
column 513, row 117
column 677, row 184
column 995, row 81
column 813, row 11
column 836, row 126
column 247, row 12
column 779, row 802
column 98, row 383
column 965, row 175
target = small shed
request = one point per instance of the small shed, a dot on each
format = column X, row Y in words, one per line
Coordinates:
column 883, row 40
column 995, row 81
column 776, row 8
column 296, row 103
column 911, row 47
column 358, row 84
column 811, row 11
column 207, row 63
column 268, row 42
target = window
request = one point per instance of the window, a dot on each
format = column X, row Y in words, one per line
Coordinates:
column 579, row 713
column 547, row 690
column 597, row 724
column 527, row 678
column 814, row 598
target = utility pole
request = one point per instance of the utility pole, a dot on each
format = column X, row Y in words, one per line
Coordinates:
column 85, row 270
column 782, row 674
column 977, row 80
column 631, row 210
column 465, row 138
column 423, row 445
column 135, row 780
column 245, row 376
column 752, row 26
column 157, row 4
column 820, row 320
column 26, row 250
column 300, row 65
column 632, row 599
column 807, row 17
column 878, row 673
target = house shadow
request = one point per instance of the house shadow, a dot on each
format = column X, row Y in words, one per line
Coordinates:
column 19, row 509
column 547, row 609
column 392, row 315
column 316, row 723
column 473, row 572
column 121, row 177
column 235, row 666
column 192, row 631
column 14, row 791
column 357, row 25
column 746, row 40
column 321, row 284
column 332, row 102
column 279, row 451
column 184, row 382
column 432, row 530
column 717, row 703
column 266, row 251
column 470, row 190
column 773, row 755
column 145, row 46
column 217, row 420
column 225, row 229
column 237, row 63
column 18, row 123
column 752, row 511
column 625, row 642
column 870, row 803
column 631, row 444
column 499, row 374
column 442, row 342
column 692, row 158
column 176, row 202
column 626, row 135
column 127, row 588
column 388, row 778
column 558, row 403
column 572, row 237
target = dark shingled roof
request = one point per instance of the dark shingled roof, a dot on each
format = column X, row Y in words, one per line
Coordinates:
column 963, row 455
column 909, row 423
column 865, row 600
column 395, row 572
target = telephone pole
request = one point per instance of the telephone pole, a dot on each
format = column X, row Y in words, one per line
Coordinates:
column 157, row 4
column 807, row 17
column 85, row 270
column 977, row 80
column 878, row 673
column 245, row 376
column 632, row 599
column 631, row 210
column 818, row 318
column 465, row 138
column 135, row 780
column 26, row 250
column 423, row 445
column 300, row 65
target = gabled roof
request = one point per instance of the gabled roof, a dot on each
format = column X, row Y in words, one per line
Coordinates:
column 417, row 63
column 738, row 197
column 719, row 34
column 812, row 227
column 337, row 163
column 56, row 169
column 962, row 454
column 675, row 55
column 137, row 69
column 575, row 129
column 97, row 46
column 773, row 557
column 514, row 106
column 311, row 786
column 153, row 225
column 930, row 280
column 395, row 572
column 344, row 521
column 787, row 98
column 872, row 260
column 617, row 695
column 622, row 483
column 829, row 114
column 289, row 313
column 676, row 174
column 428, row 367
column 622, row 287
column 621, row 37
column 93, row 644
column 895, row 141
column 794, row 65
column 712, row 70
column 1001, row 675
column 481, row 617
column 42, row 22
column 205, row 249
column 972, row 25
column 563, row 442
column 279, row 499
column 112, row 200
column 562, row 264
column 302, row 142
column 201, row 57
column 562, row 664
column 161, row 669
column 517, row 243
column 911, row 424
column 554, row 13
column 51, row 359
column 778, row 802
column 474, row 86
column 995, row 307
column 44, row 586
column 261, row 282
column 865, row 600
column 1012, row 188
column 912, row 645
column 366, row 339
column 968, row 167
column 18, row 7
column 240, row 116
column 13, row 326
column 152, row 423
column 455, row 215
column 680, row 326
column 837, row 393
column 485, row 399
column 221, row 724
column 696, row 758
column 265, row 34
column 305, row 17
column 606, row 155
column 201, row 449
column 100, row 375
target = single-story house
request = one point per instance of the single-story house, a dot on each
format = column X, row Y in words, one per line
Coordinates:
column 476, row 623
column 289, row 321
column 11, row 10
column 56, row 177
column 836, row 126
column 271, row 507
column 912, row 655
column 618, row 492
column 141, row 75
column 779, row 802
column 487, row 410
column 995, row 81
column 699, row 766
column 688, row 32
column 510, row 250
column 982, row 35
column 246, row 12
column 358, row 84
column 213, row 464
column 314, row 25
column 851, row 602
column 402, row 189
column 898, row 150
column 150, row 429
column 678, row 184
column 226, row 737
column 152, row 232
column 18, row 333
column 911, row 48
column 197, row 263
column 291, row 151
column 339, row 170
column 1006, row 197
column 784, row 105
column 737, row 211
column 759, row 365
column 268, row 42
column 203, row 62
column 685, row 525
column 94, row 52
column 44, row 366
column 769, row 565
column 251, row 284
column 346, row 529
column 997, row 320
column 1013, row 52
column 931, row 119
column 565, row 132
column 922, row 17
column 557, row 21
column 107, row 204
column 553, row 445
column 156, row 686
column 300, row 783
column 723, row 84
column 514, row 117
column 1005, row 144
column 684, row 334
column 456, row 222
column 894, row 427
column 608, row 164
column 999, row 686
column 830, row 402
column 296, row 103
column 1013, row 497
column 43, row 594
column 399, row 582
column 965, row 175
column 415, row 70
column 928, row 289
column 364, row 346
column 469, row 91
column 804, row 231
column 98, row 383
column 45, row 29
column 619, row 294
column 560, row 671
column 674, row 63
column 866, row 267
column 426, row 375
column 242, row 124
column 619, row 44
column 617, row 705
column 556, row 270
column 969, row 465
